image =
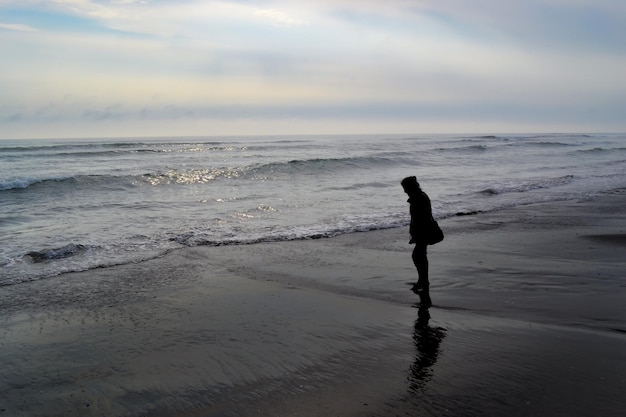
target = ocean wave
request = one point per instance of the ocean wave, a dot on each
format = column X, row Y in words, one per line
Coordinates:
column 22, row 183
column 353, row 224
column 552, row 136
column 527, row 186
column 56, row 253
column 527, row 139
column 108, row 150
column 470, row 148
column 360, row 186
column 319, row 165
column 18, row 183
column 82, row 146
column 94, row 148
column 468, row 213
column 483, row 138
column 616, row 191
column 173, row 176
column 25, row 183
column 600, row 150
column 544, row 144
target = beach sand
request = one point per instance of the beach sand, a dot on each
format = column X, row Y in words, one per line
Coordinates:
column 528, row 319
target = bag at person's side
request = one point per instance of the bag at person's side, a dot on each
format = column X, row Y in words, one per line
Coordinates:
column 434, row 233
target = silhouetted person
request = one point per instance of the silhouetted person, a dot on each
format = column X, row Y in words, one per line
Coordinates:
column 421, row 216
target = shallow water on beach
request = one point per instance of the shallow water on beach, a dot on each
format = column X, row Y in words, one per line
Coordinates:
column 262, row 349
column 141, row 356
column 70, row 205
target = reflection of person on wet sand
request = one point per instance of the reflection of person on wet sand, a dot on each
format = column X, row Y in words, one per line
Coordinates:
column 426, row 340
column 421, row 216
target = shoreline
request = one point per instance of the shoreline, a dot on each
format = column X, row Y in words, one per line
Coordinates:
column 528, row 315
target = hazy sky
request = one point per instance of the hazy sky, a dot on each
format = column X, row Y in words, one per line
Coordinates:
column 94, row 68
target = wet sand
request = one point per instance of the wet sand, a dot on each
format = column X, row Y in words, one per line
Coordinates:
column 528, row 319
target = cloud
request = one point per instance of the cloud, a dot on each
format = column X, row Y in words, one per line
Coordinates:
column 17, row 27
column 279, row 17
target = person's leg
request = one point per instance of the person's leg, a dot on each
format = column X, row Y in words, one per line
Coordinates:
column 420, row 260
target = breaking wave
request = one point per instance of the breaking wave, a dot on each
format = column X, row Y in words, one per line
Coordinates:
column 527, row 186
column 56, row 253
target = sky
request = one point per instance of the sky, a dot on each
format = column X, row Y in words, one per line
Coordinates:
column 128, row 68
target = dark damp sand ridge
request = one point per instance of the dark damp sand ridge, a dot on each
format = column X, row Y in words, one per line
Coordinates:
column 618, row 239
column 528, row 319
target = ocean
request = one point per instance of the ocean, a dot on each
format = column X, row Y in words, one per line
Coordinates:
column 74, row 205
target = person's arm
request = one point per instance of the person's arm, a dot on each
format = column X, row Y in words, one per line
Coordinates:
column 413, row 230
